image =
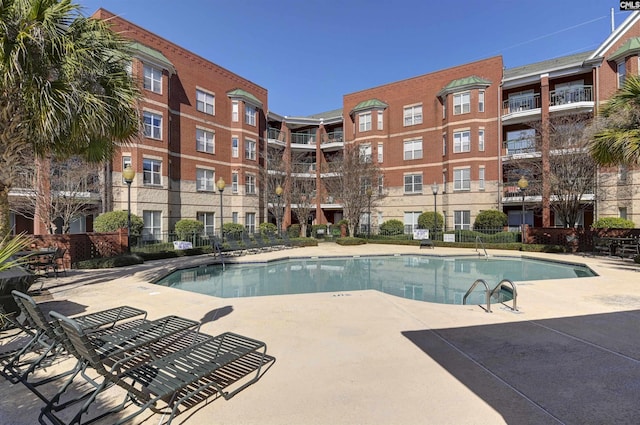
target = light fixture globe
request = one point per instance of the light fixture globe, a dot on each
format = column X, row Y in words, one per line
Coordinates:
column 279, row 190
column 220, row 184
column 128, row 174
column 523, row 183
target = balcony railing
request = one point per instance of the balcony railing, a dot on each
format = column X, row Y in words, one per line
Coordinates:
column 276, row 134
column 521, row 103
column 303, row 138
column 303, row 167
column 519, row 146
column 572, row 95
column 511, row 189
column 333, row 137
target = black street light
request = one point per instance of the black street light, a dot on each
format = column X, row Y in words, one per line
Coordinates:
column 279, row 191
column 523, row 184
column 128, row 174
column 434, row 190
column 369, row 194
column 220, row 185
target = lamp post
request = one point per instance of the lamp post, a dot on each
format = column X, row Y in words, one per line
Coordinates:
column 523, row 183
column 369, row 193
column 220, row 185
column 128, row 174
column 434, row 190
column 279, row 191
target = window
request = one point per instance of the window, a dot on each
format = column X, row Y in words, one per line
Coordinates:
column 481, row 101
column 481, row 178
column 235, row 111
column 208, row 220
column 444, row 181
column 444, row 144
column 249, row 114
column 365, row 153
column 364, row 121
column 461, row 103
column 461, row 142
column 412, row 149
column 521, row 141
column 413, row 115
column 126, row 161
column 481, row 140
column 250, row 184
column 235, row 143
column 205, row 102
column 234, row 217
column 462, row 220
column 250, row 149
column 380, row 185
column 234, row 182
column 622, row 212
column 151, row 171
column 413, row 183
column 623, row 173
column 380, row 152
column 152, row 79
column 204, row 180
column 152, row 225
column 622, row 73
column 205, row 141
column 152, row 125
column 250, row 222
column 380, row 120
column 411, row 221
column 462, row 179
column 444, row 108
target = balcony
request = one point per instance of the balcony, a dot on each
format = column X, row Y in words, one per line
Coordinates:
column 520, row 148
column 304, row 168
column 332, row 141
column 277, row 136
column 521, row 104
column 303, row 139
column 571, row 95
column 512, row 194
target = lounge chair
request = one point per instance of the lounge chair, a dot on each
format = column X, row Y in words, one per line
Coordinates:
column 287, row 242
column 264, row 245
column 234, row 246
column 251, row 246
column 274, row 242
column 189, row 375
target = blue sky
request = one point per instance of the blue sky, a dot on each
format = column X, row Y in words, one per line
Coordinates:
column 309, row 53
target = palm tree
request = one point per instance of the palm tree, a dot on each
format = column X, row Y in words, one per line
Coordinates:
column 616, row 135
column 65, row 88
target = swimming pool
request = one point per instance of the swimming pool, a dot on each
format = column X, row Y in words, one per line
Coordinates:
column 427, row 278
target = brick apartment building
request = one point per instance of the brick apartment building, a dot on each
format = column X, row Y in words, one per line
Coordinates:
column 461, row 130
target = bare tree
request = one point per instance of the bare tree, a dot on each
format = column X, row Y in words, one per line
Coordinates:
column 571, row 174
column 351, row 179
column 75, row 188
column 301, row 197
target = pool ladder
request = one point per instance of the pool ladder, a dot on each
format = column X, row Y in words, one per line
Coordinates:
column 490, row 293
column 479, row 241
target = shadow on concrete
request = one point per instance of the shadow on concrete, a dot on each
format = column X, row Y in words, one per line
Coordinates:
column 216, row 314
column 576, row 370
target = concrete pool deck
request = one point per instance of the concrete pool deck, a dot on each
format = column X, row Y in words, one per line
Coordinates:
column 570, row 355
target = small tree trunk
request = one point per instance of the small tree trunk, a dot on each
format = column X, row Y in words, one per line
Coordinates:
column 5, row 222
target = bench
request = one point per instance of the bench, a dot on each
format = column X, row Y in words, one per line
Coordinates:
column 426, row 243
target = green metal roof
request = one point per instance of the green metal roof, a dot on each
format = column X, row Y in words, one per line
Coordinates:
column 245, row 96
column 369, row 104
column 547, row 65
column 464, row 84
column 329, row 114
column 630, row 47
column 154, row 56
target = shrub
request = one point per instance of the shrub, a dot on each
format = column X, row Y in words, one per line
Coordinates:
column 294, row 231
column 314, row 230
column 613, row 223
column 426, row 220
column 268, row 228
column 490, row 219
column 392, row 227
column 186, row 227
column 350, row 241
column 232, row 229
column 106, row 263
column 114, row 220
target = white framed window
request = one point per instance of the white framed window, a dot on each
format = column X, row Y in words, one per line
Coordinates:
column 413, row 183
column 235, row 146
column 412, row 149
column 250, row 222
column 152, row 125
column 481, row 178
column 235, row 111
column 249, row 184
column 126, row 162
column 461, row 141
column 462, row 220
column 204, row 180
column 444, row 108
column 234, row 182
column 462, row 179
column 444, row 144
column 412, row 115
column 380, row 152
column 249, row 149
column 205, row 102
column 481, row 140
column 205, row 141
column 411, row 221
column 152, row 172
column 249, row 115
column 444, row 181
column 234, row 217
column 622, row 73
column 152, row 227
column 152, row 79
column 380, row 185
column 481, row 101
column 365, row 153
column 380, row 120
column 364, row 121
column 208, row 220
column 461, row 103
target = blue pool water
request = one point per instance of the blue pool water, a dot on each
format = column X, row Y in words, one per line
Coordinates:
column 435, row 279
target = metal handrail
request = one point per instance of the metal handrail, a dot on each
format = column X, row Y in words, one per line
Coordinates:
column 513, row 289
column 487, row 293
column 478, row 239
